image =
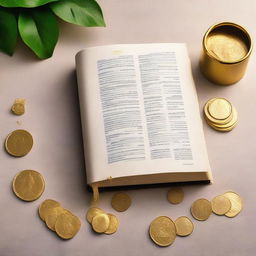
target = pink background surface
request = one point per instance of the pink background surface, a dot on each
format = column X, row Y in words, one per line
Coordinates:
column 53, row 118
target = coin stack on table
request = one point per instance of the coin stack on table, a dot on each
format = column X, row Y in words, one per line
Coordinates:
column 220, row 114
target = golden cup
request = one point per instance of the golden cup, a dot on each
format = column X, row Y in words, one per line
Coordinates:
column 226, row 50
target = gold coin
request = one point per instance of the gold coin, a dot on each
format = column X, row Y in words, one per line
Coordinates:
column 220, row 205
column 209, row 118
column 100, row 223
column 46, row 206
column 236, row 204
column 113, row 224
column 201, row 209
column 222, row 129
column 67, row 225
column 220, row 108
column 52, row 215
column 121, row 202
column 19, row 143
column 92, row 212
column 28, row 185
column 18, row 108
column 184, row 226
column 232, row 122
column 175, row 195
column 162, row 231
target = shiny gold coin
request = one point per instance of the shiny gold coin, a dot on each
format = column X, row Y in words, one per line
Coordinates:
column 201, row 209
column 28, row 185
column 210, row 119
column 19, row 143
column 220, row 205
column 184, row 226
column 121, row 202
column 92, row 212
column 51, row 217
column 162, row 231
column 232, row 122
column 223, row 129
column 113, row 224
column 67, row 225
column 18, row 108
column 236, row 204
column 100, row 223
column 46, row 206
column 175, row 195
column 220, row 108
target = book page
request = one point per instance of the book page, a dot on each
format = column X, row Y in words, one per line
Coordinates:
column 139, row 111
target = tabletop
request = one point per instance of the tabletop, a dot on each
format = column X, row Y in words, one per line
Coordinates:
column 52, row 116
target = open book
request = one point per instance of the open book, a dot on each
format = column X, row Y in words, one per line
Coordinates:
column 140, row 115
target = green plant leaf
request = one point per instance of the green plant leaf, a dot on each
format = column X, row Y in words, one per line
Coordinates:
column 80, row 12
column 39, row 30
column 8, row 30
column 24, row 3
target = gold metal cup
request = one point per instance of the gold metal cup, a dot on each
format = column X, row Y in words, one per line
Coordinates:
column 226, row 50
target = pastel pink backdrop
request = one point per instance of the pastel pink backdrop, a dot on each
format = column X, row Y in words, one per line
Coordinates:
column 53, row 118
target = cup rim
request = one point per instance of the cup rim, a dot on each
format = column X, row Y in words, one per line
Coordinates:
column 232, row 24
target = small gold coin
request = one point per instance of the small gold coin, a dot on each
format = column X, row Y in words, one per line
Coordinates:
column 220, row 108
column 100, row 223
column 201, row 209
column 67, row 225
column 19, row 143
column 121, row 202
column 236, row 204
column 92, row 212
column 46, row 206
column 220, row 205
column 175, row 195
column 51, row 217
column 18, row 108
column 184, row 226
column 213, row 120
column 113, row 224
column 162, row 231
column 28, row 185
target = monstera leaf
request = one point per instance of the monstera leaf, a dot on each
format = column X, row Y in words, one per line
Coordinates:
column 37, row 25
column 8, row 31
column 24, row 3
column 39, row 30
column 80, row 12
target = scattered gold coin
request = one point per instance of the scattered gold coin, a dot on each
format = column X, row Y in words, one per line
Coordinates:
column 28, row 185
column 201, row 209
column 113, row 224
column 67, row 225
column 162, row 231
column 18, row 108
column 220, row 205
column 52, row 216
column 175, row 195
column 92, row 212
column 236, row 204
column 46, row 206
column 184, row 226
column 19, row 143
column 121, row 202
column 100, row 223
column 59, row 219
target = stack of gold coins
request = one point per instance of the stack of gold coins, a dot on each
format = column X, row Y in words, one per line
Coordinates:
column 220, row 114
column 60, row 220
column 101, row 221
